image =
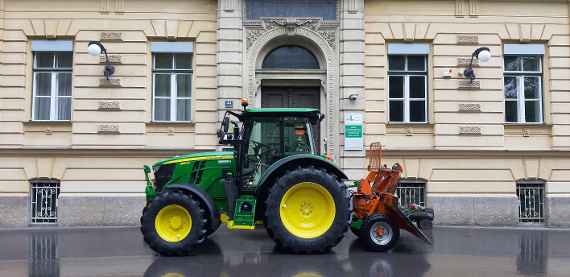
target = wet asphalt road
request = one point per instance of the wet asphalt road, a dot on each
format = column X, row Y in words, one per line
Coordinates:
column 121, row 252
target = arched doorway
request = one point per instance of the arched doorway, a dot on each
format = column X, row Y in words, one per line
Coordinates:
column 291, row 77
column 293, row 93
column 323, row 47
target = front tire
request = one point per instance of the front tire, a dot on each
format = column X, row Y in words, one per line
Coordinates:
column 379, row 234
column 307, row 211
column 173, row 223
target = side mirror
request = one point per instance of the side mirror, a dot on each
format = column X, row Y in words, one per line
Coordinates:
column 225, row 124
column 236, row 130
column 223, row 128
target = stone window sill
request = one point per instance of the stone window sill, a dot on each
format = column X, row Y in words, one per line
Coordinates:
column 170, row 127
column 47, row 126
column 526, row 129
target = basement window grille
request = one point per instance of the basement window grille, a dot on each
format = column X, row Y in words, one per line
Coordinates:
column 531, row 202
column 43, row 201
column 411, row 193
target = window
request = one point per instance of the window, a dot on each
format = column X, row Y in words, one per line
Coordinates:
column 407, row 85
column 270, row 141
column 290, row 57
column 523, row 83
column 325, row 9
column 43, row 200
column 172, row 86
column 531, row 201
column 411, row 192
column 52, row 85
column 523, row 88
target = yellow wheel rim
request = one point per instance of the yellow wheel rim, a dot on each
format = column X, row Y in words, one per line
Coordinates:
column 307, row 210
column 173, row 223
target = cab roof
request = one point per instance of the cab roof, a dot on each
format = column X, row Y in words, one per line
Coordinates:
column 281, row 112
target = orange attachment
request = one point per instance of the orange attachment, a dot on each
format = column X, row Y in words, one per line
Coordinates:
column 376, row 192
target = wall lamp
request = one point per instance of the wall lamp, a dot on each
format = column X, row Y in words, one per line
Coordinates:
column 483, row 54
column 94, row 48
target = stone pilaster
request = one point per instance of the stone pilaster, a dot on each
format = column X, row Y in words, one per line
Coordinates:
column 229, row 53
column 1, row 30
column 352, row 75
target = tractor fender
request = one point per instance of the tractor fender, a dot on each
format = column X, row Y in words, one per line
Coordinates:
column 203, row 197
column 282, row 165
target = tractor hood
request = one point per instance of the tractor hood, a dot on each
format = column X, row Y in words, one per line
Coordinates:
column 202, row 156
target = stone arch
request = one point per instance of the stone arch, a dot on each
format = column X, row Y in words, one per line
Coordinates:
column 328, row 57
column 294, row 41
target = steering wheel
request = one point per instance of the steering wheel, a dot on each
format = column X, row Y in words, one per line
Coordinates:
column 257, row 148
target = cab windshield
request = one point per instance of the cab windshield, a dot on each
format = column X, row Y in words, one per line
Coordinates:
column 271, row 140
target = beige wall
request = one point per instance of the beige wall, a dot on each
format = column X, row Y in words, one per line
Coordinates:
column 93, row 164
column 137, row 22
column 494, row 23
column 102, row 171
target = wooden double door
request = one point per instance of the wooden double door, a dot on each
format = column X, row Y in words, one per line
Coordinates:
column 293, row 97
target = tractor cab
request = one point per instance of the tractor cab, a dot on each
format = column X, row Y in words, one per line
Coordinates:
column 260, row 138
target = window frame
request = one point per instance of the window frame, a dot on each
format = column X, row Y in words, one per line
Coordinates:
column 249, row 17
column 406, row 93
column 54, row 71
column 521, row 99
column 173, row 72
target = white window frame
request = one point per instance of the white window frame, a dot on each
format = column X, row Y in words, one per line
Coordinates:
column 407, row 99
column 521, row 100
column 54, row 97
column 173, row 72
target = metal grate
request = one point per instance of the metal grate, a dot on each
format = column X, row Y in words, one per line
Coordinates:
column 409, row 193
column 43, row 201
column 531, row 202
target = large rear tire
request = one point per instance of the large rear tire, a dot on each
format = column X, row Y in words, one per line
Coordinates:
column 307, row 211
column 173, row 223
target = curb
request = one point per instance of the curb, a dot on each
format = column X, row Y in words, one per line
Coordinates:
column 66, row 228
column 127, row 227
column 513, row 228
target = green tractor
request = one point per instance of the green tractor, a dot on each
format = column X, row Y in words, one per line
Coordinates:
column 274, row 175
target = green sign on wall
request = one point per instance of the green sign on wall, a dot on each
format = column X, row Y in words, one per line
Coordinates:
column 353, row 131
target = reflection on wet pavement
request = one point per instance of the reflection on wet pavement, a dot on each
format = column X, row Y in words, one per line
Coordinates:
column 121, row 252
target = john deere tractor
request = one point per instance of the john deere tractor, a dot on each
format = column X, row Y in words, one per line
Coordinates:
column 272, row 175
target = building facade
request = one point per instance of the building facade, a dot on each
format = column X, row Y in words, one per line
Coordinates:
column 490, row 151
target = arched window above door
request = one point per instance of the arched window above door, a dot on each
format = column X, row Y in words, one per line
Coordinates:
column 290, row 57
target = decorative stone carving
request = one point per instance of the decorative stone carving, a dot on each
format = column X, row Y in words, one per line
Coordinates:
column 252, row 35
column 525, row 132
column 109, row 106
column 108, row 129
column 470, row 131
column 330, row 37
column 229, row 5
column 114, row 59
column 469, row 108
column 466, row 8
column 111, row 36
column 113, row 83
column 469, row 85
column 255, row 29
column 107, row 6
column 467, row 39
